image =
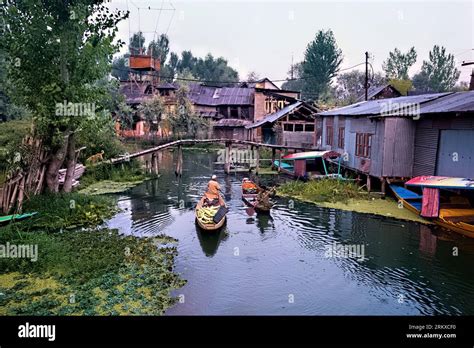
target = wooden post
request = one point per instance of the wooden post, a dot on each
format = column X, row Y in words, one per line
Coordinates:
column 147, row 166
column 384, row 187
column 257, row 165
column 273, row 158
column 279, row 160
column 368, row 183
column 154, row 163
column 228, row 148
column 179, row 162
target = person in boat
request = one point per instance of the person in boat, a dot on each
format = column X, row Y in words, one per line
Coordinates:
column 263, row 197
column 212, row 194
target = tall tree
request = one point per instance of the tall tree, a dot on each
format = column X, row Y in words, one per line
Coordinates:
column 397, row 64
column 215, row 70
column 159, row 48
column 183, row 120
column 137, row 43
column 120, row 67
column 72, row 42
column 438, row 74
column 321, row 64
column 170, row 69
column 187, row 61
column 151, row 110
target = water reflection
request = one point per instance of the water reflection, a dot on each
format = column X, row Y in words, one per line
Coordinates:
column 210, row 241
column 264, row 223
column 408, row 268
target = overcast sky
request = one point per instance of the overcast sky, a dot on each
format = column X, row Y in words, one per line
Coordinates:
column 261, row 36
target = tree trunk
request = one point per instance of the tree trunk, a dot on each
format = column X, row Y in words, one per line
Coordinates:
column 70, row 163
column 54, row 164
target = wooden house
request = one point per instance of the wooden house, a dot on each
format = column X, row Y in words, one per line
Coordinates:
column 397, row 138
column 293, row 125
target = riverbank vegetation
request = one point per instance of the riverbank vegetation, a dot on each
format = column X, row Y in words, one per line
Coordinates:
column 80, row 270
column 345, row 195
column 325, row 190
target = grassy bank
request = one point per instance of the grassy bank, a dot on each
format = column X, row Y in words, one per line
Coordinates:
column 344, row 195
column 106, row 178
column 326, row 190
column 83, row 272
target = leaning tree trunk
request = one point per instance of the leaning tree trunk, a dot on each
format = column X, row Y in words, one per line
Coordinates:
column 54, row 164
column 70, row 163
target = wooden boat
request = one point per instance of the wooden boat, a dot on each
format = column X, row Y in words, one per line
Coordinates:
column 309, row 164
column 449, row 201
column 249, row 197
column 215, row 225
column 15, row 217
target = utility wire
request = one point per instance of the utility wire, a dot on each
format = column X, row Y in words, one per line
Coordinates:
column 229, row 82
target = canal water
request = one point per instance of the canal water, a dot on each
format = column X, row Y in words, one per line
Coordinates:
column 280, row 264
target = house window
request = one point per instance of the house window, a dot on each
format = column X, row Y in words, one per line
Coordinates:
column 363, row 144
column 288, row 127
column 298, row 127
column 245, row 112
column 329, row 135
column 234, row 112
column 309, row 128
column 341, row 138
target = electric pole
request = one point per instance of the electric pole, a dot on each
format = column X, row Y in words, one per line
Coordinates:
column 366, row 75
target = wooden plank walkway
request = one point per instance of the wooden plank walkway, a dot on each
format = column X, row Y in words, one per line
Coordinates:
column 202, row 141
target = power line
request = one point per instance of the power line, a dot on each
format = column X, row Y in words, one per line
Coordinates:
column 219, row 82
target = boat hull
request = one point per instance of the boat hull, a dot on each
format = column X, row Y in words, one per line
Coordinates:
column 458, row 227
column 250, row 201
column 15, row 217
column 210, row 227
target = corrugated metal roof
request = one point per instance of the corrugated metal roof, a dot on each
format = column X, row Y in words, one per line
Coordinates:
column 456, row 102
column 387, row 107
column 214, row 96
column 168, row 85
column 231, row 122
column 276, row 115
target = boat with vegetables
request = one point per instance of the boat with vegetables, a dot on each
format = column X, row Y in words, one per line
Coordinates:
column 211, row 215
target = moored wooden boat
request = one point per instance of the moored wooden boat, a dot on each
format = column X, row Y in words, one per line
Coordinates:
column 310, row 164
column 15, row 217
column 453, row 213
column 210, row 226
